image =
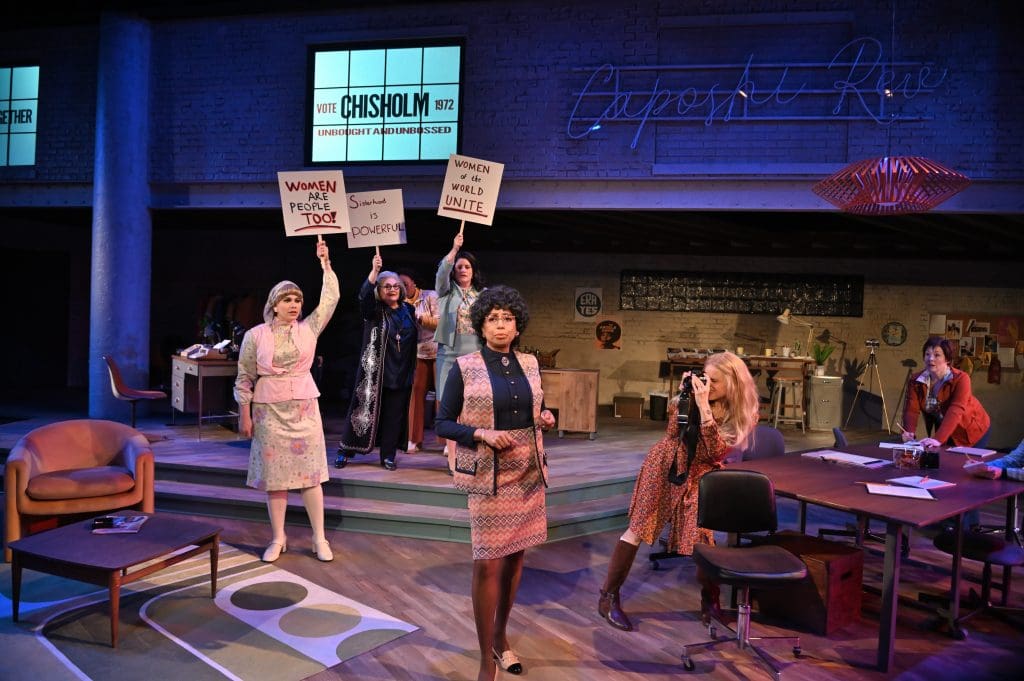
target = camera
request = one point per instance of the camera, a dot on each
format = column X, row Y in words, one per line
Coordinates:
column 872, row 343
column 687, row 388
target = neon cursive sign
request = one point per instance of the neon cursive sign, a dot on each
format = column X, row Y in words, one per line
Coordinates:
column 863, row 74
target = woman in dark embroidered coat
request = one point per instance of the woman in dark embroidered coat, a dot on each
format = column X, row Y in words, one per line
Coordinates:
column 377, row 414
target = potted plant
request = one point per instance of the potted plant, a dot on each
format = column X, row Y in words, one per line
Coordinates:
column 821, row 354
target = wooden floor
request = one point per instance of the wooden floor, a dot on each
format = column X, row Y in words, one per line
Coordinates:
column 554, row 627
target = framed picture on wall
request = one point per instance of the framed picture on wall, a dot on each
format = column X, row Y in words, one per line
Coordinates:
column 966, row 346
column 953, row 328
column 1007, row 329
column 991, row 344
column 980, row 329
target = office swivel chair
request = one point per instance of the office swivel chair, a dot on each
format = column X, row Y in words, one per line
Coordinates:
column 759, row 566
column 123, row 392
column 862, row 529
column 989, row 550
column 766, row 442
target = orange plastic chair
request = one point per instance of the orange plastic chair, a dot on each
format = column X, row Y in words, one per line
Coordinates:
column 123, row 392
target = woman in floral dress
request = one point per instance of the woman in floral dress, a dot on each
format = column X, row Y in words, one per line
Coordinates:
column 722, row 416
column 278, row 408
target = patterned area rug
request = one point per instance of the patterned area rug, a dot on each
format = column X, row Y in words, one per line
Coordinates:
column 265, row 623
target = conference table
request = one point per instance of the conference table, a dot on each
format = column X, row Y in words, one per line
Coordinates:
column 840, row 487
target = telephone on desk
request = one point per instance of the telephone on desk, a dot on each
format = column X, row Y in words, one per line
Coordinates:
column 201, row 351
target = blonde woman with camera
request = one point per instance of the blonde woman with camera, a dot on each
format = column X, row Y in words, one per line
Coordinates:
column 720, row 412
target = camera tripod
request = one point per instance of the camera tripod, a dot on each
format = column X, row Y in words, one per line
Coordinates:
column 871, row 369
column 901, row 403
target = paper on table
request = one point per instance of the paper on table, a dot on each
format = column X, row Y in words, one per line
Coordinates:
column 899, row 491
column 974, row 451
column 923, row 482
column 893, row 445
column 833, row 456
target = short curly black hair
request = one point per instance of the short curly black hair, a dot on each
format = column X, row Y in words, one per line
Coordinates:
column 499, row 298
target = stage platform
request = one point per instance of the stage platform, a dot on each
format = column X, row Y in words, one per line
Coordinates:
column 590, row 480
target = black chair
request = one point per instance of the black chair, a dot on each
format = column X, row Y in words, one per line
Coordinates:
column 766, row 442
column 989, row 550
column 862, row 530
column 741, row 502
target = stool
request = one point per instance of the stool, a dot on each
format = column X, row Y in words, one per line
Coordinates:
column 989, row 550
column 788, row 401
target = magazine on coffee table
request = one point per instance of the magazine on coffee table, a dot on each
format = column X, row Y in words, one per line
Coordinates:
column 118, row 524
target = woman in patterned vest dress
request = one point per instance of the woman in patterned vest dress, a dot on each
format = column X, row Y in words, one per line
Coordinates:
column 493, row 410
column 722, row 415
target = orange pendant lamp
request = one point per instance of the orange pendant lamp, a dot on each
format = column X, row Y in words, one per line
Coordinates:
column 891, row 185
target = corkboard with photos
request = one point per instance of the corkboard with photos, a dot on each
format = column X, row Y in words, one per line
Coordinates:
column 982, row 338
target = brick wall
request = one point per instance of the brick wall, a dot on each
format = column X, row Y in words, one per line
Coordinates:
column 551, row 280
column 227, row 110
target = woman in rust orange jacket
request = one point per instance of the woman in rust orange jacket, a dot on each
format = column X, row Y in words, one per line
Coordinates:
column 952, row 414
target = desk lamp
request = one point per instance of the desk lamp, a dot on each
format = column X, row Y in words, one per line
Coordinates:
column 787, row 318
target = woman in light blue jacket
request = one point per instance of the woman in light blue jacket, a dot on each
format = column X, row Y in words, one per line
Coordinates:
column 458, row 284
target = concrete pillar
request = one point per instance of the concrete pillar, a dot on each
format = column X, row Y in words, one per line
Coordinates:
column 122, row 231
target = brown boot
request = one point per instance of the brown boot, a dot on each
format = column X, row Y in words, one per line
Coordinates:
column 710, row 608
column 608, row 606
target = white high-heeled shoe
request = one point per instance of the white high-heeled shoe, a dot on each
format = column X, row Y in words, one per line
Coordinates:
column 274, row 551
column 323, row 551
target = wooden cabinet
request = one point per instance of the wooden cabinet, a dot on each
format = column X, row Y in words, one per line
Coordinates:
column 573, row 392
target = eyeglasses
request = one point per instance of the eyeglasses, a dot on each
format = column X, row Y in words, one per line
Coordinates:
column 389, row 287
column 503, row 318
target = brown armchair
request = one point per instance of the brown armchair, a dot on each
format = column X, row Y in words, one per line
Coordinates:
column 75, row 467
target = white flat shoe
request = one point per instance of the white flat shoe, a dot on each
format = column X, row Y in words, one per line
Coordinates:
column 412, row 448
column 323, row 551
column 274, row 551
column 508, row 661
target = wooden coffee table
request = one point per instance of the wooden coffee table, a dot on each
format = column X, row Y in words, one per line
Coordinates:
column 73, row 551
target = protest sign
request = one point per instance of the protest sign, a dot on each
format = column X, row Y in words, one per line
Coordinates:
column 376, row 218
column 470, row 189
column 313, row 202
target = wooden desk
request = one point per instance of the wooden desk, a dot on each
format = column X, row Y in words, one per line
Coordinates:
column 188, row 377
column 573, row 392
column 73, row 551
column 835, row 486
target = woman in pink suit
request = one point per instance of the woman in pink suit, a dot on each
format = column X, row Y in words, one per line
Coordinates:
column 278, row 408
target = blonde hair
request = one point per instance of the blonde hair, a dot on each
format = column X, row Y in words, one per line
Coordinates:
column 741, row 404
